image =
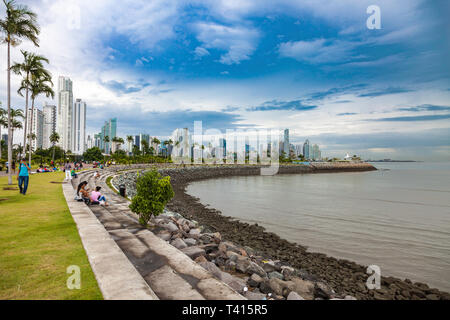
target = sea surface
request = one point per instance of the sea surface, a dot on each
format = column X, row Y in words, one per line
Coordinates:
column 397, row 217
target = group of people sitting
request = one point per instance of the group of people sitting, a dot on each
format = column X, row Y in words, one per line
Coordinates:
column 43, row 169
column 90, row 197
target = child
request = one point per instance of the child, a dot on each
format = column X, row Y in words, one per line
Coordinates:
column 97, row 197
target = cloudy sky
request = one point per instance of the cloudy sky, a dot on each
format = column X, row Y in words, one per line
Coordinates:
column 309, row 65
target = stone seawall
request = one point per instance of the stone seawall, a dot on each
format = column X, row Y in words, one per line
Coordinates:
column 345, row 277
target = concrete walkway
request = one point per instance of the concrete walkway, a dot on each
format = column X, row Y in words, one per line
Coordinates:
column 170, row 273
column 116, row 276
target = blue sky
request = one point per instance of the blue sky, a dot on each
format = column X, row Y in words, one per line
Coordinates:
column 312, row 66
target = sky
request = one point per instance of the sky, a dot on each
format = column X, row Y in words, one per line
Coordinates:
column 312, row 66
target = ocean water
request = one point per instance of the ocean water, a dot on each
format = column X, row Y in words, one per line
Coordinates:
column 397, row 217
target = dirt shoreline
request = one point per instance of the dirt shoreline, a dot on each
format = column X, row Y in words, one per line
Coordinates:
column 345, row 277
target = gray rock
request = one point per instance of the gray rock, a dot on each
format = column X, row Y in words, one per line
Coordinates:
column 321, row 290
column 275, row 274
column 235, row 283
column 170, row 226
column 288, row 272
column 242, row 264
column 254, row 280
column 275, row 286
column 190, row 241
column 193, row 252
column 212, row 268
column 350, row 298
column 294, row 296
column 254, row 268
column 228, row 246
column 304, row 288
column 269, row 266
column 255, row 295
column 194, row 233
column 179, row 243
column 165, row 235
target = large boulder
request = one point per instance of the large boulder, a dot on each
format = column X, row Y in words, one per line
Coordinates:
column 254, row 280
column 321, row 290
column 255, row 295
column 170, row 226
column 190, row 241
column 304, row 288
column 179, row 243
column 193, row 252
column 294, row 296
column 254, row 268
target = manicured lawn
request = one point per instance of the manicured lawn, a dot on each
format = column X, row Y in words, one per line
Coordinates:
column 38, row 241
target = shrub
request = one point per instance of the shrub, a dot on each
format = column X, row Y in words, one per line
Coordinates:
column 153, row 193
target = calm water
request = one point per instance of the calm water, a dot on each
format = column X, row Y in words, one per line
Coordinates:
column 397, row 218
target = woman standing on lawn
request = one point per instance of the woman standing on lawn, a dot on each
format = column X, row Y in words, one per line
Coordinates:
column 23, row 176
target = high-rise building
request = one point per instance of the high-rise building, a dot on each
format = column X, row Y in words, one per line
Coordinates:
column 286, row 144
column 36, row 128
column 65, row 113
column 142, row 138
column 90, row 142
column 49, row 124
column 108, row 130
column 306, row 149
column 137, row 141
column 79, row 127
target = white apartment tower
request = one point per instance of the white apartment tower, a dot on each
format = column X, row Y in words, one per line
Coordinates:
column 49, row 125
column 37, row 127
column 79, row 127
column 65, row 121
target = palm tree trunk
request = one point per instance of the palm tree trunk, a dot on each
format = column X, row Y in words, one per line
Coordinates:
column 9, row 114
column 53, row 156
column 31, row 129
column 0, row 142
column 26, row 122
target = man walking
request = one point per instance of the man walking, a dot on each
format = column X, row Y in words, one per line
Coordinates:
column 23, row 176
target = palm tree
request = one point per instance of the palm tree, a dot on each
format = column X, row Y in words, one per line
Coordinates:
column 19, row 23
column 144, row 144
column 54, row 139
column 32, row 64
column 130, row 140
column 156, row 142
column 40, row 82
column 31, row 137
column 2, row 120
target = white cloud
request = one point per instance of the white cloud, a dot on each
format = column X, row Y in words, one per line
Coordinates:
column 239, row 42
column 318, row 50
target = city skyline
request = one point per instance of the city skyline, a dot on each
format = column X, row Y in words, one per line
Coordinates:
column 313, row 68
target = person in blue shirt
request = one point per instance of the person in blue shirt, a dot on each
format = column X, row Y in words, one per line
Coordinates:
column 23, row 176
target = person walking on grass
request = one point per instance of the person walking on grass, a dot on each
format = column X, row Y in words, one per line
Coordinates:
column 67, row 168
column 23, row 176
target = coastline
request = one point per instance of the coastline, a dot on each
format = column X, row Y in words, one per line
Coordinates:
column 345, row 277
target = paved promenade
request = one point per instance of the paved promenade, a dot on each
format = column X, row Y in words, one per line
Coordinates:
column 168, row 273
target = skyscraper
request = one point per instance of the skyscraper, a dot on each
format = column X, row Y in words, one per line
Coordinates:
column 108, row 130
column 49, row 124
column 37, row 128
column 79, row 127
column 286, row 144
column 306, row 149
column 65, row 121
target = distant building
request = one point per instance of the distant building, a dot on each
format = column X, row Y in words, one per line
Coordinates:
column 5, row 137
column 65, row 121
column 286, row 144
column 306, row 149
column 108, row 130
column 137, row 141
column 49, row 112
column 143, row 137
column 90, row 142
column 79, row 127
column 36, row 128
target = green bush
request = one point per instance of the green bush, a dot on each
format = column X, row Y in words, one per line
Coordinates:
column 153, row 193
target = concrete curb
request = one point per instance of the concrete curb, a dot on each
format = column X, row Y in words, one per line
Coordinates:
column 117, row 278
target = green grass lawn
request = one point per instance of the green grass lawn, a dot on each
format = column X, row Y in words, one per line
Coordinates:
column 38, row 241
